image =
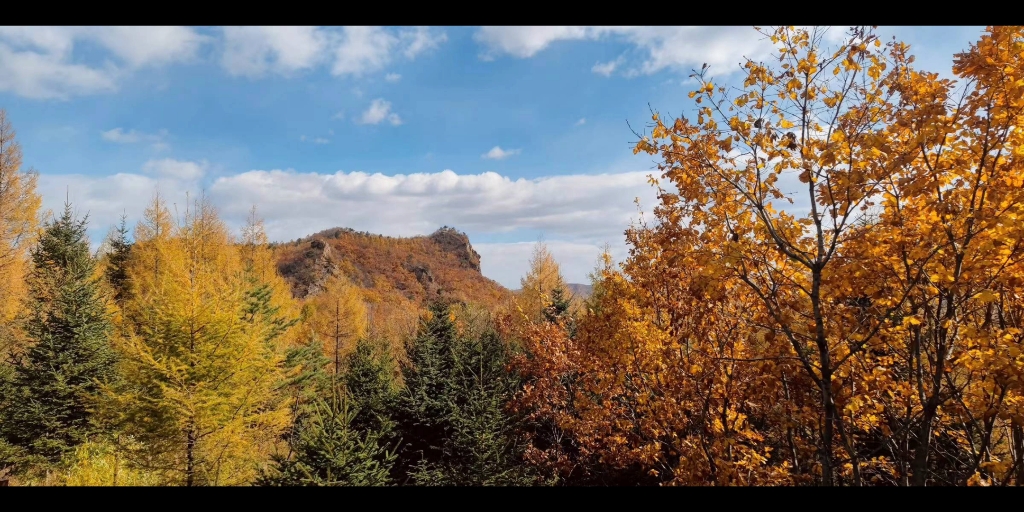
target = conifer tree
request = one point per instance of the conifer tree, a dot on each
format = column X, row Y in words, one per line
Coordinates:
column 338, row 437
column 19, row 207
column 326, row 450
column 539, row 283
column 119, row 248
column 452, row 414
column 370, row 383
column 427, row 398
column 202, row 360
column 69, row 354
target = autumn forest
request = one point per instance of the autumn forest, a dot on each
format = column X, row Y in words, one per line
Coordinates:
column 828, row 292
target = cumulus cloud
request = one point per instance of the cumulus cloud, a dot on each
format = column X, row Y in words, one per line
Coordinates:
column 175, row 169
column 507, row 263
column 581, row 122
column 583, row 207
column 379, row 111
column 526, row 42
column 576, row 213
column 496, row 153
column 354, row 51
column 607, row 68
column 362, row 50
column 46, row 63
column 392, row 77
column 419, row 40
column 256, row 51
column 41, row 63
column 660, row 48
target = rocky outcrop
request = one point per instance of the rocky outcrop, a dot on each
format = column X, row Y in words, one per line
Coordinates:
column 423, row 275
column 392, row 270
column 309, row 273
column 457, row 243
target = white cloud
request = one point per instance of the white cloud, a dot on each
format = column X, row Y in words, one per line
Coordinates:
column 105, row 198
column 339, row 115
column 119, row 136
column 675, row 48
column 525, row 42
column 588, row 207
column 420, row 40
column 40, row 62
column 45, row 63
column 255, row 51
column 507, row 263
column 141, row 46
column 362, row 50
column 581, row 122
column 175, row 169
column 496, row 153
column 316, row 140
column 378, row 111
column 607, row 68
column 576, row 213
column 392, row 77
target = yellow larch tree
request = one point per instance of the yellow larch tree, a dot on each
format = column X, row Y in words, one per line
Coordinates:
column 19, row 210
column 337, row 316
column 201, row 360
column 541, row 280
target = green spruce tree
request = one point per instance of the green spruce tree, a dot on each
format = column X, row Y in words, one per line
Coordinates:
column 558, row 310
column 326, row 450
column 119, row 248
column 452, row 412
column 370, row 382
column 69, row 355
column 333, row 441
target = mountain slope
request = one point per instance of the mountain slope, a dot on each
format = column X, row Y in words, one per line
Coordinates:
column 581, row 291
column 410, row 269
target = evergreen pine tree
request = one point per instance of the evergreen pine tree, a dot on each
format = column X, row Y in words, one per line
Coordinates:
column 337, row 438
column 70, row 355
column 308, row 377
column 451, row 414
column 370, row 383
column 558, row 310
column 427, row 399
column 559, row 305
column 119, row 248
column 326, row 450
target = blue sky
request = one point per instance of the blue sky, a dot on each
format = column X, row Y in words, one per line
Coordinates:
column 512, row 134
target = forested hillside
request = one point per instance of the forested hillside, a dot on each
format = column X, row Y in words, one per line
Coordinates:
column 828, row 292
column 397, row 276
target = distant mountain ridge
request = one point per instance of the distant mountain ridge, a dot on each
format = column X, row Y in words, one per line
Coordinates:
column 578, row 290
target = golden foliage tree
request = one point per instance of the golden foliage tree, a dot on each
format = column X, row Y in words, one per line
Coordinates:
column 540, row 281
column 830, row 293
column 201, row 358
column 19, row 210
column 338, row 316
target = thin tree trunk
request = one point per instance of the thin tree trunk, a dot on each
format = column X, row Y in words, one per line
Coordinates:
column 190, row 456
